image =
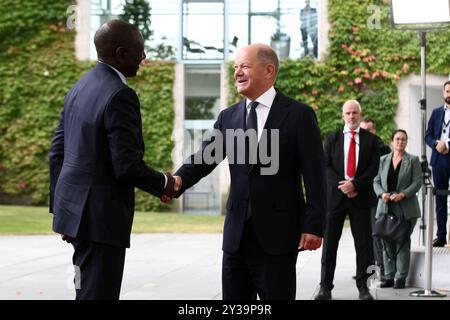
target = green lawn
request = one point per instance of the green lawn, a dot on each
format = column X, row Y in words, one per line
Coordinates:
column 16, row 220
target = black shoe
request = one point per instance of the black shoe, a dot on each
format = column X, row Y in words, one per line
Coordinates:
column 387, row 283
column 399, row 284
column 324, row 294
column 439, row 242
column 364, row 294
column 354, row 277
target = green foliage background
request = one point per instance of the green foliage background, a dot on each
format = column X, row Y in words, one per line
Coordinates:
column 361, row 63
column 37, row 69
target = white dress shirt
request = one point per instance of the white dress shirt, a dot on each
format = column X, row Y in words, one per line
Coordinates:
column 262, row 110
column 347, row 138
column 446, row 126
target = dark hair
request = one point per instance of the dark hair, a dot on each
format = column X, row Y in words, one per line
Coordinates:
column 113, row 34
column 397, row 131
column 446, row 83
column 367, row 120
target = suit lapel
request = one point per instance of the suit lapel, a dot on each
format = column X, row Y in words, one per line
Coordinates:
column 404, row 168
column 238, row 117
column 440, row 118
column 340, row 152
column 238, row 122
column 278, row 112
column 362, row 150
column 385, row 170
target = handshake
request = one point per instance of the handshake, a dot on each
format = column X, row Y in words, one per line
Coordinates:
column 172, row 189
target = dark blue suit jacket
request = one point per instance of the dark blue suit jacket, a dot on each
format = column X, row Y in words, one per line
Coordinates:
column 96, row 160
column 280, row 211
column 433, row 132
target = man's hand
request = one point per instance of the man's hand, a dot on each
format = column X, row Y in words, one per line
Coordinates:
column 66, row 238
column 352, row 194
column 386, row 196
column 172, row 188
column 440, row 147
column 346, row 186
column 309, row 242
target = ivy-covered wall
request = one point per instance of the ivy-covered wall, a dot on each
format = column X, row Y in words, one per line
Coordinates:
column 37, row 69
column 361, row 63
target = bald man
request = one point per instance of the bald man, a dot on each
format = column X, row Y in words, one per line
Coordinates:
column 96, row 161
column 351, row 159
column 268, row 220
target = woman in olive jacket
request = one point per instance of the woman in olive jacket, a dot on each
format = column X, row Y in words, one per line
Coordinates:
column 396, row 184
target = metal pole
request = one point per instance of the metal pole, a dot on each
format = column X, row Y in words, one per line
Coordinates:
column 427, row 291
column 423, row 108
column 429, row 242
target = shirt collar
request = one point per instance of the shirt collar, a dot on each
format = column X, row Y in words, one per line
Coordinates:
column 266, row 99
column 347, row 129
column 120, row 74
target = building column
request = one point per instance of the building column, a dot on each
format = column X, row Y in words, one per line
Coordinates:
column 323, row 29
column 178, row 126
column 83, row 26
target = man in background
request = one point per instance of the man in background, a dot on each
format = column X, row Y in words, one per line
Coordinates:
column 369, row 125
column 308, row 28
column 437, row 138
column 351, row 160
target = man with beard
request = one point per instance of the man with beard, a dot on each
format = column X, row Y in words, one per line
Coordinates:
column 437, row 138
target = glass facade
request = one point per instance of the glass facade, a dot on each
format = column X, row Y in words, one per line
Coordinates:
column 212, row 30
column 203, row 30
column 201, row 108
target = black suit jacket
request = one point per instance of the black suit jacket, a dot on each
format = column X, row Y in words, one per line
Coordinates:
column 96, row 160
column 367, row 169
column 279, row 210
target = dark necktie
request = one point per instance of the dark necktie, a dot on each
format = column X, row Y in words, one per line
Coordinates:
column 252, row 123
column 351, row 163
column 252, row 118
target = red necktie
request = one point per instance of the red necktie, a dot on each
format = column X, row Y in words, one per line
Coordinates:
column 351, row 162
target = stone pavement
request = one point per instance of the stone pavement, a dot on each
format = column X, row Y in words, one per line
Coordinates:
column 160, row 267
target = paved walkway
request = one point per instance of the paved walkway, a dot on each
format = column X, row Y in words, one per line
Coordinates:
column 158, row 267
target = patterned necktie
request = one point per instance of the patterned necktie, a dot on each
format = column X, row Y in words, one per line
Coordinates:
column 351, row 162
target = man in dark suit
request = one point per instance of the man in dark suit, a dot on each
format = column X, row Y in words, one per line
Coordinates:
column 268, row 220
column 96, row 161
column 437, row 138
column 351, row 157
column 369, row 125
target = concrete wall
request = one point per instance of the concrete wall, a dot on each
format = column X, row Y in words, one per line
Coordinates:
column 83, row 25
column 225, row 178
column 178, row 125
column 324, row 28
